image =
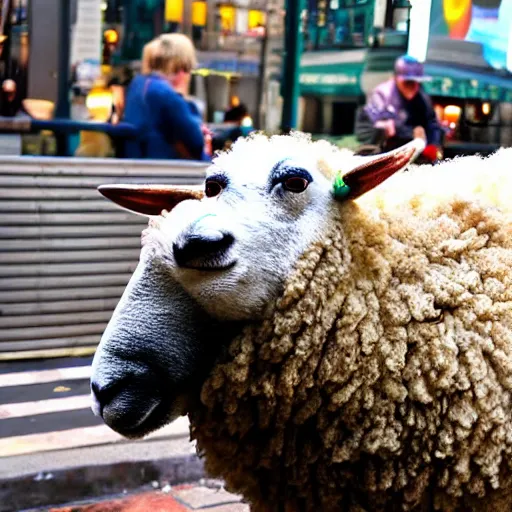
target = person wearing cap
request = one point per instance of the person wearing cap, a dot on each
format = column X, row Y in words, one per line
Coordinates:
column 398, row 111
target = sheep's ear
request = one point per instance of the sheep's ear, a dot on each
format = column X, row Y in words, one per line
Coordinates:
column 149, row 199
column 375, row 170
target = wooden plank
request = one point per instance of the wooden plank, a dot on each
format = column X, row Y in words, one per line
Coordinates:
column 65, row 285
column 69, row 256
column 51, row 343
column 117, row 216
column 59, row 331
column 59, row 319
column 28, row 232
column 71, row 244
column 102, row 167
column 128, row 167
column 47, row 353
column 79, row 182
column 43, row 294
column 43, row 307
column 33, row 206
column 68, row 269
column 191, row 175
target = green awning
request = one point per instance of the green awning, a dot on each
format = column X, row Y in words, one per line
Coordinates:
column 451, row 81
column 343, row 79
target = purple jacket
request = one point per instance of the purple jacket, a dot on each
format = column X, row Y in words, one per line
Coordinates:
column 386, row 102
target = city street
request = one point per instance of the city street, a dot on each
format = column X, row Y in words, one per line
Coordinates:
column 54, row 451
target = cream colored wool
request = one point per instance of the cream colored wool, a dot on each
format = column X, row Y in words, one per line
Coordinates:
column 382, row 378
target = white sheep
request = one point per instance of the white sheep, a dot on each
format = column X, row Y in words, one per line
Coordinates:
column 372, row 365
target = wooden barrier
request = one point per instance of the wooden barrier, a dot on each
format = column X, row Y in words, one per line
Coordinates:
column 66, row 253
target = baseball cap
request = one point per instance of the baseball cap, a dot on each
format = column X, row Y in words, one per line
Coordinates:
column 409, row 68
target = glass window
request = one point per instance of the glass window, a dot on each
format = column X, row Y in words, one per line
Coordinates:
column 336, row 24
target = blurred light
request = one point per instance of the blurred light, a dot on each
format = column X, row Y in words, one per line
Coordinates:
column 99, row 103
column 246, row 121
column 452, row 113
column 111, row 36
column 486, row 108
column 199, row 12
column 453, row 125
column 227, row 15
column 174, row 10
column 39, row 109
column 256, row 19
column 104, row 6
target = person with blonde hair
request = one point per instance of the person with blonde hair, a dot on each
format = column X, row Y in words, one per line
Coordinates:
column 168, row 125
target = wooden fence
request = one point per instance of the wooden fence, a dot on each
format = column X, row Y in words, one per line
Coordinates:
column 66, row 253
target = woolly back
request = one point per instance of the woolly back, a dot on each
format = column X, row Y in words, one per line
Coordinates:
column 391, row 342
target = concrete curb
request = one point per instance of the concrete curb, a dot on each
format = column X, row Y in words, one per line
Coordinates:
column 58, row 488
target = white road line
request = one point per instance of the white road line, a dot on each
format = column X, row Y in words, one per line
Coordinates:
column 80, row 437
column 43, row 376
column 69, row 403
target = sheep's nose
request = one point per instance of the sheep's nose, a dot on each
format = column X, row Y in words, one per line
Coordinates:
column 101, row 395
column 198, row 247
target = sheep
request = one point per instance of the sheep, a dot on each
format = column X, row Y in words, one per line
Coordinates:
column 357, row 337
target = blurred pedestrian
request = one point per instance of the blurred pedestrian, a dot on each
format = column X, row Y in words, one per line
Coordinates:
column 169, row 125
column 398, row 111
column 10, row 102
column 236, row 112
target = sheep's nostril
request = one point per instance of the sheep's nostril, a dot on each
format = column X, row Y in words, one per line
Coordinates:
column 102, row 395
column 208, row 244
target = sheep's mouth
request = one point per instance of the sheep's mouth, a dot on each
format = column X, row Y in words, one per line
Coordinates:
column 135, row 415
column 163, row 414
column 211, row 266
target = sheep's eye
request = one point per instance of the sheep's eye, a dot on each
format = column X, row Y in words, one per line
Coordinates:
column 212, row 188
column 296, row 184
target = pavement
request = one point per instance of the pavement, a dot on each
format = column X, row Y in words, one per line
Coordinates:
column 182, row 498
column 55, row 454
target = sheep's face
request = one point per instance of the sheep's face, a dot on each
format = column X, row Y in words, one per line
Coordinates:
column 264, row 203
column 223, row 255
column 232, row 250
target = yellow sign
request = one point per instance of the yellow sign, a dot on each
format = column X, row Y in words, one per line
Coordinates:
column 199, row 14
column 174, row 11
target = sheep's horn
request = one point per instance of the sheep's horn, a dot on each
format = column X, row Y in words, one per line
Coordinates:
column 149, row 199
column 375, row 170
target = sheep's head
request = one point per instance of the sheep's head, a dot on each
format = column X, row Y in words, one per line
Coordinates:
column 264, row 203
column 221, row 253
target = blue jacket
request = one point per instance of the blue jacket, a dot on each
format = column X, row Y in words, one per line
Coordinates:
column 165, row 121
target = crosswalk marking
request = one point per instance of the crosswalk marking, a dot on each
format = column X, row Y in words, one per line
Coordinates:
column 40, row 421
column 79, row 437
column 20, row 410
column 43, row 376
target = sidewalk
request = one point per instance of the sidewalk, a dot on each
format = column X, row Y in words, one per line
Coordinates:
column 54, row 451
column 203, row 495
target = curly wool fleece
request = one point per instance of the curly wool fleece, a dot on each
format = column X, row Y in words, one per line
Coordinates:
column 381, row 381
